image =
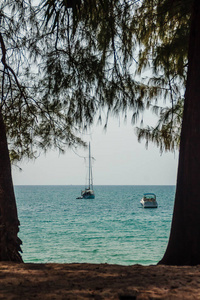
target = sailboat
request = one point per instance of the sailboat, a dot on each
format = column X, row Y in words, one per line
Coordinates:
column 88, row 193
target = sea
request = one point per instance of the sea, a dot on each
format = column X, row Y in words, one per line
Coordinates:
column 113, row 228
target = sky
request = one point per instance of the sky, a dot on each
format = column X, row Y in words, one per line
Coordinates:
column 119, row 159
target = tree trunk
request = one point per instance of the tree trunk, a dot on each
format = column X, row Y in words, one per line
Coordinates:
column 184, row 242
column 9, row 223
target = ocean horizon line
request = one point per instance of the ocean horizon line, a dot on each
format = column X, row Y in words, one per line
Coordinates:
column 95, row 185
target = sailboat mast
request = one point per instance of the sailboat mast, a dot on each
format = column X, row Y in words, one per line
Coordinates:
column 89, row 165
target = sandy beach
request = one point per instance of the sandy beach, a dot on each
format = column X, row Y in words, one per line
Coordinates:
column 98, row 281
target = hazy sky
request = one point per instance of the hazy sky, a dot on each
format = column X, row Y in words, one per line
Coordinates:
column 119, row 160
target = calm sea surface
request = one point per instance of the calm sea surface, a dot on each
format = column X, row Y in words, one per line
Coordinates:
column 112, row 228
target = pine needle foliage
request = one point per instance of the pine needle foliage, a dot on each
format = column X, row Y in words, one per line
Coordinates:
column 64, row 62
column 162, row 29
column 166, row 134
column 34, row 120
column 94, row 47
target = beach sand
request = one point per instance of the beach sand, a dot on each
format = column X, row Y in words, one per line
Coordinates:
column 97, row 281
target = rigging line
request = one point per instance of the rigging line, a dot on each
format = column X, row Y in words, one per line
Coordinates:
column 85, row 157
column 79, row 155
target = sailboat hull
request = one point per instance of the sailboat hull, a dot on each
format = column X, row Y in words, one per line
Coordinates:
column 88, row 194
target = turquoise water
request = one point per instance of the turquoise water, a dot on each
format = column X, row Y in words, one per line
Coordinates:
column 112, row 228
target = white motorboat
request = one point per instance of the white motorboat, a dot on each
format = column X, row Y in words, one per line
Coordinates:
column 149, row 200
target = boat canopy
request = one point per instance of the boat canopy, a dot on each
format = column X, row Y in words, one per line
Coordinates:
column 149, row 196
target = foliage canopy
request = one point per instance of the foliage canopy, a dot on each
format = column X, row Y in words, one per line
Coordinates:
column 67, row 61
column 162, row 29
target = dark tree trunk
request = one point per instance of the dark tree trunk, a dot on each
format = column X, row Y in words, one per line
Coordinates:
column 9, row 223
column 184, row 242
